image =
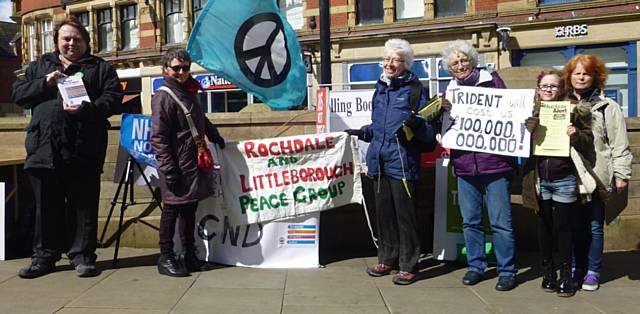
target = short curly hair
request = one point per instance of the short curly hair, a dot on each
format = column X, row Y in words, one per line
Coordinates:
column 592, row 64
column 402, row 48
column 462, row 46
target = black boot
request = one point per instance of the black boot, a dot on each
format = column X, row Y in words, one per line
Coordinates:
column 170, row 266
column 549, row 283
column 565, row 287
column 192, row 262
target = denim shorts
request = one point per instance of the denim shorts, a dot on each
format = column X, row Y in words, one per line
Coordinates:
column 562, row 190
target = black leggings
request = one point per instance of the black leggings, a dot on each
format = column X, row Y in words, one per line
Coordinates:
column 170, row 213
column 558, row 217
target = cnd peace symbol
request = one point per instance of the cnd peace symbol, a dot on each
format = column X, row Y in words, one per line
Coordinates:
column 261, row 50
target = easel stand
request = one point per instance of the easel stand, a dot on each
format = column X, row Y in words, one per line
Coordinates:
column 126, row 179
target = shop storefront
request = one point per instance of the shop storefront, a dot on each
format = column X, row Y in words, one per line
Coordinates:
column 218, row 94
column 614, row 43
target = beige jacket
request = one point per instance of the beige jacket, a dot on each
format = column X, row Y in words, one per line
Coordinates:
column 613, row 155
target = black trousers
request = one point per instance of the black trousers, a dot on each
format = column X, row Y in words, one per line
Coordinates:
column 558, row 218
column 66, row 213
column 186, row 226
column 398, row 239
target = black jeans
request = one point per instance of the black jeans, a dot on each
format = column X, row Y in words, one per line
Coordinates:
column 559, row 218
column 66, row 213
column 186, row 226
column 398, row 240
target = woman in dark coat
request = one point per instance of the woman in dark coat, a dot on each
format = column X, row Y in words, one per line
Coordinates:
column 393, row 161
column 181, row 182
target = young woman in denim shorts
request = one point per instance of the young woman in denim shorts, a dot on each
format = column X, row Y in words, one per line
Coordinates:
column 551, row 186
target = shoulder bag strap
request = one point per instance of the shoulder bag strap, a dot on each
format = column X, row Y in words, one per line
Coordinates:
column 192, row 126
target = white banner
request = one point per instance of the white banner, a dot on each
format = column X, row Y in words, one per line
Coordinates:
column 489, row 120
column 287, row 177
column 351, row 110
column 291, row 243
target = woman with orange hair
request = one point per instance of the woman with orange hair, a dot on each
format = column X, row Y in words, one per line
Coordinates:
column 585, row 75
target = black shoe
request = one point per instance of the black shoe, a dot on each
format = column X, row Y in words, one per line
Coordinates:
column 170, row 266
column 566, row 288
column 194, row 264
column 506, row 283
column 87, row 270
column 471, row 278
column 37, row 269
column 549, row 282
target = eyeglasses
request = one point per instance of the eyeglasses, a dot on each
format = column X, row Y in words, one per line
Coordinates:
column 463, row 62
column 177, row 68
column 388, row 60
column 549, row 87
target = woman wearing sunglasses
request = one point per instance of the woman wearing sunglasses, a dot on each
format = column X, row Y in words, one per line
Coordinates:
column 181, row 182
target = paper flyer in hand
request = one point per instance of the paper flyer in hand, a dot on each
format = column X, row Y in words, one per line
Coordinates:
column 550, row 138
column 72, row 90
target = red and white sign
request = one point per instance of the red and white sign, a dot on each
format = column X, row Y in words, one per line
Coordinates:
column 321, row 110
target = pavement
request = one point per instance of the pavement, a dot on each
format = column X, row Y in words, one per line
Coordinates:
column 340, row 286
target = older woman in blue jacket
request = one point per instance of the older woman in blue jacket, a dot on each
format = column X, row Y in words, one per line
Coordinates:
column 393, row 161
column 483, row 179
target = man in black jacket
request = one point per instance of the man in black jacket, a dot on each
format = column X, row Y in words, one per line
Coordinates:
column 66, row 147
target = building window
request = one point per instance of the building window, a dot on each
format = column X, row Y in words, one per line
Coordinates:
column 450, row 7
column 409, row 9
column 293, row 11
column 370, row 12
column 105, row 30
column 129, row 27
column 173, row 21
column 197, row 8
column 33, row 42
column 428, row 70
column 83, row 17
column 46, row 29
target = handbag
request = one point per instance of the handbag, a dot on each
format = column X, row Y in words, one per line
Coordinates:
column 206, row 163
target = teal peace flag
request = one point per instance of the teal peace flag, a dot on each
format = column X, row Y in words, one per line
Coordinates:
column 251, row 44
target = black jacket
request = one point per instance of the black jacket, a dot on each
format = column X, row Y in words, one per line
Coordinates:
column 54, row 136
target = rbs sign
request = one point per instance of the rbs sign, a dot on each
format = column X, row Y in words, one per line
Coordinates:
column 571, row 31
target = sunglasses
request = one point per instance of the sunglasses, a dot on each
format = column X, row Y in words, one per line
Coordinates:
column 177, row 68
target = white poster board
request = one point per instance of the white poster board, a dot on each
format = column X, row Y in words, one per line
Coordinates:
column 351, row 110
column 489, row 120
column 292, row 243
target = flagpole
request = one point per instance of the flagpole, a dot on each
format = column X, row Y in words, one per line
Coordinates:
column 325, row 43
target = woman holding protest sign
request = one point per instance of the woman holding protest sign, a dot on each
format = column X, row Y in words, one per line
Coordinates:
column 393, row 160
column 586, row 76
column 483, row 179
column 177, row 119
column 551, row 185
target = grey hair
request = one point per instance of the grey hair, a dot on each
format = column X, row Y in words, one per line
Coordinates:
column 402, row 48
column 175, row 53
column 462, row 46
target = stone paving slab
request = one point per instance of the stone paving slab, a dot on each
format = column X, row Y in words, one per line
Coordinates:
column 135, row 288
column 238, row 277
column 330, row 286
column 231, row 301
